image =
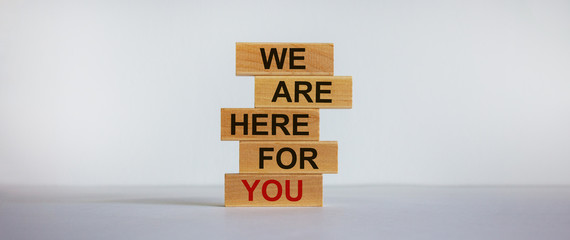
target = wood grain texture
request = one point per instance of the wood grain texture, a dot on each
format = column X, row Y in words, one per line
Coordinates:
column 318, row 59
column 273, row 190
column 307, row 123
column 278, row 157
column 332, row 91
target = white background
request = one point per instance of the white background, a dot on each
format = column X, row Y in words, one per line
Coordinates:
column 129, row 92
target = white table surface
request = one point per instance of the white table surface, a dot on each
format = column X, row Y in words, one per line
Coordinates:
column 364, row 212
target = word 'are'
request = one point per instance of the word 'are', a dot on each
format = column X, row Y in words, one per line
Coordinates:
column 283, row 92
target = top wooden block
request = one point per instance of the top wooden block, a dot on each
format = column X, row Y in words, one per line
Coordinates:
column 255, row 59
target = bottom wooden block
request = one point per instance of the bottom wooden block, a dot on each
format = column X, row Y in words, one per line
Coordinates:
column 273, row 190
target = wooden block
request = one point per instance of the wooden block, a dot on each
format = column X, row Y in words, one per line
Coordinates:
column 284, row 59
column 270, row 124
column 273, row 190
column 303, row 92
column 288, row 157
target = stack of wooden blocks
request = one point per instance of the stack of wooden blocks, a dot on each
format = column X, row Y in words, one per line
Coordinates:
column 281, row 160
